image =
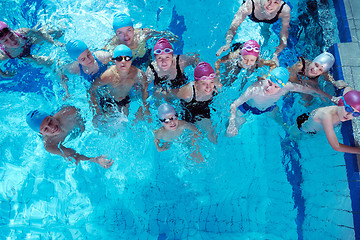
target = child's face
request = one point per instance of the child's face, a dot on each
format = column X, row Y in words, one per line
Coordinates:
column 271, row 6
column 271, row 88
column 171, row 122
column 248, row 60
column 50, row 127
column 10, row 40
column 205, row 86
column 164, row 61
column 123, row 65
column 344, row 115
column 125, row 35
column 315, row 69
column 86, row 58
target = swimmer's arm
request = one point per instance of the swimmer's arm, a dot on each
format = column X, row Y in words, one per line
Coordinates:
column 144, row 89
column 189, row 59
column 185, row 92
column 110, row 46
column 270, row 63
column 101, row 81
column 103, row 56
column 340, row 84
column 42, row 35
column 243, row 98
column 284, row 33
column 294, row 87
column 224, row 59
column 332, row 139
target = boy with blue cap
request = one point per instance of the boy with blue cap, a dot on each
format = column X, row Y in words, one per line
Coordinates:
column 54, row 130
column 119, row 79
column 134, row 38
column 87, row 64
column 261, row 97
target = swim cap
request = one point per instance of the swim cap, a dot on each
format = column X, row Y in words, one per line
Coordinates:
column 251, row 47
column 203, row 69
column 35, row 118
column 3, row 25
column 352, row 98
column 75, row 48
column 122, row 50
column 121, row 20
column 326, row 60
column 165, row 110
column 280, row 76
column 161, row 44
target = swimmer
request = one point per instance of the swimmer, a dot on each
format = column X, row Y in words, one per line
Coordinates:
column 245, row 57
column 308, row 72
column 327, row 118
column 266, row 11
column 119, row 79
column 17, row 43
column 261, row 97
column 197, row 96
column 167, row 71
column 54, row 129
column 87, row 64
column 172, row 128
column 135, row 39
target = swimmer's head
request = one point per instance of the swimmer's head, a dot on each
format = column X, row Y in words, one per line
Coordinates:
column 352, row 98
column 168, row 116
column 4, row 29
column 165, row 110
column 251, row 47
column 326, row 60
column 280, row 76
column 122, row 50
column 121, row 20
column 35, row 118
column 204, row 71
column 270, row 6
column 163, row 46
column 75, row 48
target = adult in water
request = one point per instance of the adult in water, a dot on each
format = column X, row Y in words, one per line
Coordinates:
column 54, row 129
column 262, row 11
column 17, row 44
column 327, row 118
column 261, row 97
column 197, row 96
column 119, row 79
column 172, row 128
column 134, row 38
column 88, row 65
column 167, row 71
column 246, row 57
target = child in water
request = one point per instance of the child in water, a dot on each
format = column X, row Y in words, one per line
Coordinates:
column 172, row 128
column 326, row 118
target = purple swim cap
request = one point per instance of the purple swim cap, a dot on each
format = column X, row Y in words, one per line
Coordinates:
column 203, row 69
column 162, row 44
column 251, row 47
column 352, row 98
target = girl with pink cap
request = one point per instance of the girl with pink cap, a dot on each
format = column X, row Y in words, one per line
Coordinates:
column 243, row 57
column 327, row 118
column 197, row 96
column 167, row 71
column 17, row 43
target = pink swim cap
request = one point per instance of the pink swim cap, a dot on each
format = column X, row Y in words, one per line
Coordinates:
column 251, row 47
column 203, row 69
column 352, row 98
column 162, row 44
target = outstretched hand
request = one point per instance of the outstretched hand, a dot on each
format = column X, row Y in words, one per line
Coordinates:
column 231, row 131
column 103, row 161
column 223, row 49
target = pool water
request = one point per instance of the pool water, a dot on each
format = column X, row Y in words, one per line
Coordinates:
column 258, row 185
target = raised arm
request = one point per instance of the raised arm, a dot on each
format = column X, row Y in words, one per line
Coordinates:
column 284, row 32
column 228, row 57
column 294, row 87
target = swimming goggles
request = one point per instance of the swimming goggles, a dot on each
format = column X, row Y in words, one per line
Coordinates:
column 167, row 120
column 203, row 78
column 120, row 58
column 4, row 32
column 276, row 80
column 349, row 109
column 160, row 51
column 250, row 48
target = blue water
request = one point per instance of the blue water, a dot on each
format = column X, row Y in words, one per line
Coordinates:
column 258, row 185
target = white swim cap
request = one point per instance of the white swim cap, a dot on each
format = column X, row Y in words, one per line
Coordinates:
column 165, row 110
column 326, row 60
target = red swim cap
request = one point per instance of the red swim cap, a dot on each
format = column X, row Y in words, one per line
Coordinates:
column 352, row 98
column 251, row 47
column 162, row 44
column 203, row 69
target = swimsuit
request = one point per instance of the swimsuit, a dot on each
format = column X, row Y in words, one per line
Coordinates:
column 301, row 120
column 246, row 107
column 164, row 83
column 92, row 76
column 142, row 61
column 270, row 21
column 196, row 110
column 26, row 47
column 109, row 102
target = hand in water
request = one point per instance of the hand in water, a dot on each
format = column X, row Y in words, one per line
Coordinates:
column 275, row 59
column 165, row 146
column 223, row 49
column 231, row 131
column 104, row 161
column 196, row 155
column 340, row 84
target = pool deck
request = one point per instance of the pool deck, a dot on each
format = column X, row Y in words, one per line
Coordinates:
column 347, row 54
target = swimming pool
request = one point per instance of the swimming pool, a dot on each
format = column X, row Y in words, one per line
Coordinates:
column 258, row 185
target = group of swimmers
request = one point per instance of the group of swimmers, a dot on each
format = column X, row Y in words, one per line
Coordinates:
column 133, row 68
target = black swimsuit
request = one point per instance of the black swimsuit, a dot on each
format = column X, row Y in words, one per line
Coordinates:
column 271, row 21
column 196, row 110
column 164, row 83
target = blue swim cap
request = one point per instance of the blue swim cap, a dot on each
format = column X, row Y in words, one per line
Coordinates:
column 280, row 76
column 121, row 20
column 122, row 50
column 35, row 118
column 75, row 48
